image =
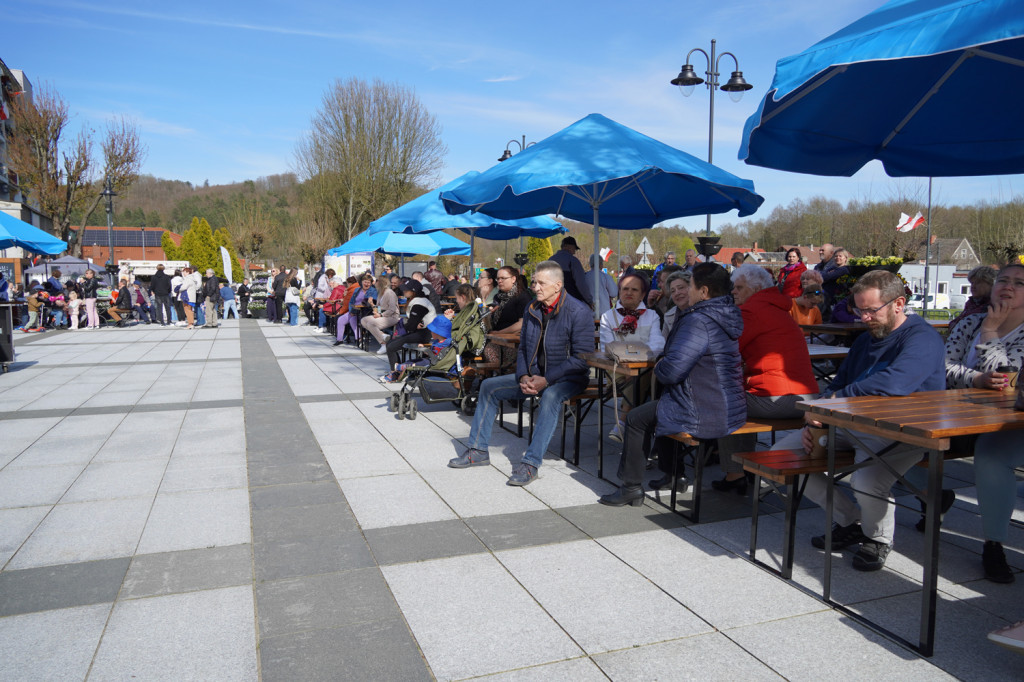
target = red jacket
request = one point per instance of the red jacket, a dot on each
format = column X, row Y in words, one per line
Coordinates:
column 775, row 357
column 789, row 280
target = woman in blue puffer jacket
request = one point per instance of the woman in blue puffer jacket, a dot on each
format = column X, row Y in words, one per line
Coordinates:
column 701, row 371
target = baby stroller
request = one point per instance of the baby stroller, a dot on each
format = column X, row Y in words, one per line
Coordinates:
column 446, row 378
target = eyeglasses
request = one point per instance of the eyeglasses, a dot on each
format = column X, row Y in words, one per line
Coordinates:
column 871, row 312
column 815, row 292
column 505, row 279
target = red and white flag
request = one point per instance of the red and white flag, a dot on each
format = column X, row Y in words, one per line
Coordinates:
column 907, row 223
column 605, row 252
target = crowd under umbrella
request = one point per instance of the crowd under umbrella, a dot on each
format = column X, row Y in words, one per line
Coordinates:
column 600, row 171
column 426, row 214
column 930, row 88
column 400, row 244
column 18, row 233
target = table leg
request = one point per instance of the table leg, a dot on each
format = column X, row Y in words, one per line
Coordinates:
column 931, row 549
column 600, row 423
column 829, row 499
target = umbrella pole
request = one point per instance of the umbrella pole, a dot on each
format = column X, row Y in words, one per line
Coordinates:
column 927, row 250
column 472, row 246
column 597, row 250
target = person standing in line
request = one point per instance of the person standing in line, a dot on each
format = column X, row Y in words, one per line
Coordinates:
column 211, row 296
column 227, row 294
column 271, row 296
column 90, row 287
column 572, row 272
column 280, row 287
column 179, row 309
column 160, row 288
column 243, row 297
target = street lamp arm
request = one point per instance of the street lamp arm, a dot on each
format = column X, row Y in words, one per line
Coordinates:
column 698, row 49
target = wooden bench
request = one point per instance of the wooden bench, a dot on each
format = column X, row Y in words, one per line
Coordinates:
column 578, row 406
column 701, row 448
column 785, row 468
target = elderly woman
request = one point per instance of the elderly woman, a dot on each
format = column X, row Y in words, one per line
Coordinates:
column 777, row 371
column 700, row 371
column 981, row 278
column 805, row 308
column 830, row 283
column 789, row 275
column 658, row 297
column 384, row 315
column 363, row 297
column 977, row 352
column 631, row 322
column 678, row 286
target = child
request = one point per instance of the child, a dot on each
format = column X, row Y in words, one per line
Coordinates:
column 74, row 303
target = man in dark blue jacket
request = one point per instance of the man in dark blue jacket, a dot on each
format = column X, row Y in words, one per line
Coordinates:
column 901, row 354
column 556, row 329
column 573, row 277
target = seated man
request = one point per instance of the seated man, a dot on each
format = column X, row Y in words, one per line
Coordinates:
column 556, row 329
column 121, row 305
column 902, row 354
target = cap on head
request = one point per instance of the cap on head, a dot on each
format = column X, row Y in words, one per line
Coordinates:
column 570, row 241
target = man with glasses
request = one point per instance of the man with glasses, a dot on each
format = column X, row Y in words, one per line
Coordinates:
column 556, row 329
column 900, row 354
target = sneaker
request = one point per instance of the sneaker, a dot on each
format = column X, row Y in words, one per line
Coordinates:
column 470, row 458
column 382, row 350
column 321, row 330
column 993, row 559
column 948, row 498
column 616, row 433
column 871, row 555
column 842, row 537
column 386, row 378
column 1012, row 637
column 523, row 474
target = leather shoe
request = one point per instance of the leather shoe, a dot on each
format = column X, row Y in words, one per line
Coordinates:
column 626, row 494
column 739, row 486
column 666, row 482
column 337, row 343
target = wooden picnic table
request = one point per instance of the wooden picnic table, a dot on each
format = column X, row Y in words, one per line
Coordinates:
column 928, row 420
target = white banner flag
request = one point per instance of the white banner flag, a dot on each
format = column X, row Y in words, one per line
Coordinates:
column 907, row 223
column 226, row 257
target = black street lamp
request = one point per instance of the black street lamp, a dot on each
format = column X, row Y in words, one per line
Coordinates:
column 735, row 86
column 108, row 193
column 505, row 156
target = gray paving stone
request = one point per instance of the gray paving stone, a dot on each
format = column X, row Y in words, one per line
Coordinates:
column 693, row 658
column 15, row 526
column 186, row 571
column 422, row 541
column 194, row 520
column 523, row 529
column 288, row 472
column 598, row 520
column 63, row 586
column 295, row 495
column 380, row 650
column 298, row 522
column 289, row 557
column 323, row 601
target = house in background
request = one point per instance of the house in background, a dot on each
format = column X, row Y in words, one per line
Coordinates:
column 130, row 243
column 956, row 251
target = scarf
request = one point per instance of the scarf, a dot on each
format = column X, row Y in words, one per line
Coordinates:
column 630, row 319
column 501, row 299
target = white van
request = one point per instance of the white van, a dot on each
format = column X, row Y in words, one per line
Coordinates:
column 935, row 301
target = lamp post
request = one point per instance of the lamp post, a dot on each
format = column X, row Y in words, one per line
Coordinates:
column 505, row 156
column 108, row 193
column 736, row 86
column 143, row 229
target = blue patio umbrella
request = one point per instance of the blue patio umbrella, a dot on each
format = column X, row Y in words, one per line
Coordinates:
column 930, row 88
column 600, row 171
column 15, row 232
column 398, row 244
column 426, row 214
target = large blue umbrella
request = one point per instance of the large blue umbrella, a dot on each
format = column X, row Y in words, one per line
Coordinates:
column 928, row 87
column 398, row 244
column 14, row 232
column 600, row 171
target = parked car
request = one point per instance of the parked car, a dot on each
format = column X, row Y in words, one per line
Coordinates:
column 958, row 301
column 935, row 301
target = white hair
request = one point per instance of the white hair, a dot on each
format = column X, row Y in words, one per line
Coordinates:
column 755, row 276
column 551, row 267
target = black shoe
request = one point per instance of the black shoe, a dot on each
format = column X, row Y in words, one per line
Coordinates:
column 948, row 498
column 337, row 343
column 993, row 559
column 739, row 486
column 871, row 556
column 627, row 494
column 666, row 482
column 842, row 537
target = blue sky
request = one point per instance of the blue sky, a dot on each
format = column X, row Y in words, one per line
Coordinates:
column 222, row 91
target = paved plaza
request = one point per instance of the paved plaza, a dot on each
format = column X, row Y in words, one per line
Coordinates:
column 239, row 504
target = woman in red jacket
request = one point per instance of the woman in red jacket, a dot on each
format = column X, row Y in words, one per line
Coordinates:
column 777, row 371
column 789, row 276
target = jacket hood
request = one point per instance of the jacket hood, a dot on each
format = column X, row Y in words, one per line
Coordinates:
column 722, row 311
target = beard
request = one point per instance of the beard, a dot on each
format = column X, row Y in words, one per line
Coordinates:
column 881, row 328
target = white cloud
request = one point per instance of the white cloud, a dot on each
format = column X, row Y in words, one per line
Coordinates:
column 502, row 79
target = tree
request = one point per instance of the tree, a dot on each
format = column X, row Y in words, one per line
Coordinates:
column 250, row 222
column 312, row 239
column 199, row 248
column 370, row 148
column 537, row 249
column 223, row 238
column 64, row 179
column 169, row 247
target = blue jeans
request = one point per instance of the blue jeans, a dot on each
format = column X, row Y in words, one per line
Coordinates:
column 506, row 387
column 232, row 307
column 996, row 455
column 200, row 314
column 321, row 318
column 293, row 314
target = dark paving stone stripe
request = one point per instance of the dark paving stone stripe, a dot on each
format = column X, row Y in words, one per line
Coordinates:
column 121, row 409
column 338, row 397
column 92, row 365
column 187, row 571
column 60, row 587
column 423, row 542
column 324, row 608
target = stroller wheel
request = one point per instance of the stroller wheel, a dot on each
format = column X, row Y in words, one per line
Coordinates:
column 400, row 410
column 411, row 409
column 469, row 405
column 393, row 402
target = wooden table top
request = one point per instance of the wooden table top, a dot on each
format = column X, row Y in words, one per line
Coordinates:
column 601, row 360
column 928, row 418
column 504, row 339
